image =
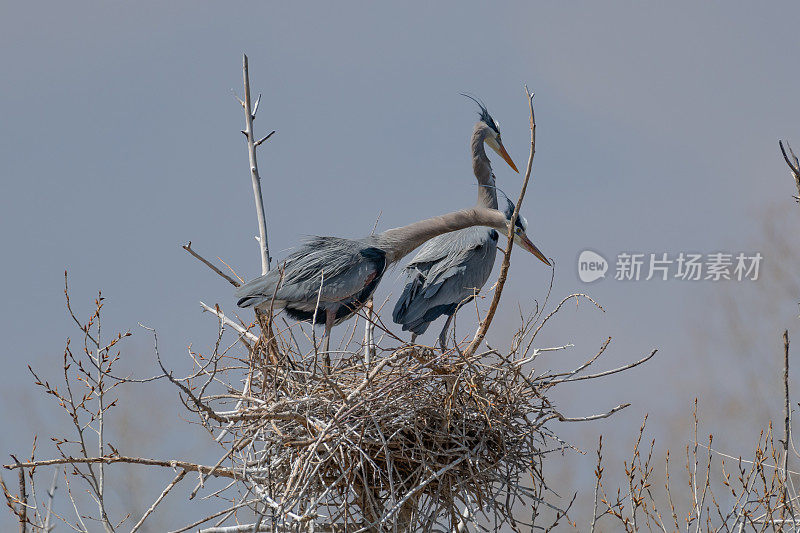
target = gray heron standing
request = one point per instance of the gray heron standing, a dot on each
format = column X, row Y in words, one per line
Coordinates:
column 451, row 269
column 328, row 279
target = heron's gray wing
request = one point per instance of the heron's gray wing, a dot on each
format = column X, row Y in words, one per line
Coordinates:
column 463, row 264
column 342, row 266
column 447, row 245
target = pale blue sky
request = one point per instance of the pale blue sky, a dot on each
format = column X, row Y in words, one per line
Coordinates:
column 657, row 132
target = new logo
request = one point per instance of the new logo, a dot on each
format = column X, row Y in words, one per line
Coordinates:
column 591, row 266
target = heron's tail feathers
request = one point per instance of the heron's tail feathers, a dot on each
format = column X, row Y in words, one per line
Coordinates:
column 418, row 327
column 256, row 291
column 249, row 301
column 415, row 283
column 414, row 309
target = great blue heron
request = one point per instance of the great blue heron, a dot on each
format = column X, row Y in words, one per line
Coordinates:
column 450, row 269
column 336, row 276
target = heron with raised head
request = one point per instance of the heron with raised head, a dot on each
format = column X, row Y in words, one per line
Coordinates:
column 452, row 268
column 328, row 279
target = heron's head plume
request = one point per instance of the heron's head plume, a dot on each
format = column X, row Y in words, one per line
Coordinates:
column 492, row 138
column 484, row 115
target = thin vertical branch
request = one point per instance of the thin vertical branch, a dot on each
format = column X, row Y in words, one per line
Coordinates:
column 369, row 333
column 23, row 502
column 101, row 372
column 369, row 324
column 501, row 280
column 249, row 116
column 598, row 474
column 786, row 429
column 50, row 495
column 100, row 435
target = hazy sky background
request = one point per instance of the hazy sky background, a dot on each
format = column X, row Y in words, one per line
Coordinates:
column 657, row 132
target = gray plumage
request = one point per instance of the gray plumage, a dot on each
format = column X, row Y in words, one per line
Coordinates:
column 342, row 274
column 444, row 275
column 352, row 268
column 348, row 272
column 451, row 269
column 447, row 273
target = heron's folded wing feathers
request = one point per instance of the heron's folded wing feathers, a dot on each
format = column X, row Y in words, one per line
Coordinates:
column 343, row 267
column 450, row 280
column 448, row 245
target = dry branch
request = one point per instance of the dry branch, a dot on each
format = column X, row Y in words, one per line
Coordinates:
column 23, row 503
column 480, row 334
column 174, row 464
column 786, row 427
column 188, row 248
column 160, row 498
column 252, row 144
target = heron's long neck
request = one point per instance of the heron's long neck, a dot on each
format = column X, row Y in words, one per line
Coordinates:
column 482, row 167
column 399, row 242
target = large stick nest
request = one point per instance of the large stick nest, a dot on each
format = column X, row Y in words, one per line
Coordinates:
column 415, row 437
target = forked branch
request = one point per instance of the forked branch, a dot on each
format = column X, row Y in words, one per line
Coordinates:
column 252, row 143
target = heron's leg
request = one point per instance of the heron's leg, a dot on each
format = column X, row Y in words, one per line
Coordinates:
column 443, row 334
column 330, row 316
column 413, row 338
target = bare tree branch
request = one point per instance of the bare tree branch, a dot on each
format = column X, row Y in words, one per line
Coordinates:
column 51, row 492
column 23, row 502
column 249, row 115
column 609, row 372
column 786, row 427
column 218, row 312
column 177, row 479
column 113, row 459
column 188, row 248
column 563, row 418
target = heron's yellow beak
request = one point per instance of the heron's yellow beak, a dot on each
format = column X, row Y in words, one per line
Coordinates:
column 502, row 151
column 528, row 245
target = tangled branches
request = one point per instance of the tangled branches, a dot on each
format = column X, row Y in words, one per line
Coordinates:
column 411, row 438
column 709, row 491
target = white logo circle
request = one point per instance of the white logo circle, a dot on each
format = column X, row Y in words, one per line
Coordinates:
column 591, row 266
